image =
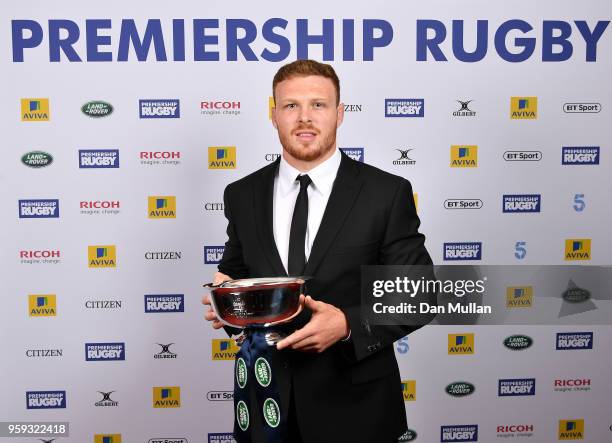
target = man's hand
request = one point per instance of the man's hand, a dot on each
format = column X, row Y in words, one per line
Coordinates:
column 327, row 326
column 210, row 313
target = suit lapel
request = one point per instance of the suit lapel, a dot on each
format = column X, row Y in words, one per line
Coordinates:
column 344, row 192
column 263, row 196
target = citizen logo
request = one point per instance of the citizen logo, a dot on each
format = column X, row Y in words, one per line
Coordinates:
column 464, row 110
column 213, row 206
column 103, row 304
column 271, row 157
column 165, row 351
column 106, row 399
column 163, row 255
column 404, row 158
column 352, row 108
column 44, row 353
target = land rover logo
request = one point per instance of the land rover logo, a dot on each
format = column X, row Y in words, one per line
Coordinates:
column 242, row 415
column 263, row 373
column 97, row 109
column 37, row 159
column 460, row 389
column 241, row 372
column 271, row 412
column 518, row 342
column 409, row 435
column 576, row 295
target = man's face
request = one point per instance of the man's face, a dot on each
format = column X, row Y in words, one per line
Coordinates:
column 307, row 116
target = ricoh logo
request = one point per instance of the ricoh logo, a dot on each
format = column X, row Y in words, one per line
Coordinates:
column 220, row 108
column 522, row 203
column 508, row 431
column 459, row 344
column 516, row 387
column 221, row 437
column 152, row 158
column 355, row 153
column 167, row 397
column 99, row 207
column 165, row 108
column 213, row 254
column 46, row 256
column 463, row 251
column 404, row 107
column 581, row 108
column 44, row 305
column 104, row 351
column 574, row 340
column 46, row 399
column 98, row 158
column 45, row 208
column 572, row 384
column 463, row 203
column 580, row 155
column 459, row 433
column 522, row 156
column 164, row 303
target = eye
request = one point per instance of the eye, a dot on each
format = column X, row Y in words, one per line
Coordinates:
column 290, row 106
column 319, row 105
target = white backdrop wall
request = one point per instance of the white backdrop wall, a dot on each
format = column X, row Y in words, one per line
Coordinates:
column 574, row 200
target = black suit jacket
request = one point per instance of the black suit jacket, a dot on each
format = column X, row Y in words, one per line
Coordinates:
column 352, row 391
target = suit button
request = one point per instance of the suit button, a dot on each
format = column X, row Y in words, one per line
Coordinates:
column 370, row 348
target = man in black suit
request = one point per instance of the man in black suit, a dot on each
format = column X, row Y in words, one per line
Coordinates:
column 317, row 212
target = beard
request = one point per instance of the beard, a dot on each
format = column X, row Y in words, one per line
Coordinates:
column 310, row 151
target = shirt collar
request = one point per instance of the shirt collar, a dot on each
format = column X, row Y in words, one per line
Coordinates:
column 322, row 175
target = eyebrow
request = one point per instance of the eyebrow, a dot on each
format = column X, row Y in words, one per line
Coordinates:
column 312, row 99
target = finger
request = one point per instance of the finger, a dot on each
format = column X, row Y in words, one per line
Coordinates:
column 312, row 304
column 206, row 299
column 297, row 336
column 210, row 316
column 220, row 277
column 217, row 324
column 305, row 343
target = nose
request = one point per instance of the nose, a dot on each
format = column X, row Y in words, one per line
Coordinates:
column 304, row 116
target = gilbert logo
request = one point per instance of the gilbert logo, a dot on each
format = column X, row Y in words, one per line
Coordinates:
column 519, row 297
column 42, row 305
column 224, row 349
column 167, row 397
column 222, row 157
column 35, row 109
column 523, row 108
column 464, row 156
column 107, row 438
column 571, row 429
column 578, row 249
column 409, row 390
column 162, row 207
column 102, row 256
column 460, row 344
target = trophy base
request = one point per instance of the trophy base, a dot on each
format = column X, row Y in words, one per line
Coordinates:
column 271, row 337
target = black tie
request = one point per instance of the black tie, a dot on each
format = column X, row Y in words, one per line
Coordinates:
column 299, row 222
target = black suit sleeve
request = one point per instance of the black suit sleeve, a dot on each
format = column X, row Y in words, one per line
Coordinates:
column 402, row 245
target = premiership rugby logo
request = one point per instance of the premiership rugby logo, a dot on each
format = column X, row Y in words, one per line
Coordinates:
column 104, row 351
column 459, row 433
column 37, row 159
column 463, row 251
column 43, row 208
column 263, row 373
column 580, row 155
column 521, row 203
column 574, row 340
column 354, row 153
column 97, row 109
column 169, row 108
column 404, row 107
column 46, row 399
column 460, row 389
column 98, row 158
column 516, row 387
column 164, row 303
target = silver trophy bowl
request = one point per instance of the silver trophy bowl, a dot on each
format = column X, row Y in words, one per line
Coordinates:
column 258, row 303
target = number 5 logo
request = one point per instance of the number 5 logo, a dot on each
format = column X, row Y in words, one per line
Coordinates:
column 579, row 203
column 520, row 250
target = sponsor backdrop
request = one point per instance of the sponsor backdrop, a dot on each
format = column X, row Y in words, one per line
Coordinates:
column 123, row 124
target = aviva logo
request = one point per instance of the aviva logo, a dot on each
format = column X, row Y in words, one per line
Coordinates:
column 416, row 201
column 523, row 108
column 107, row 438
column 464, row 156
column 578, row 249
column 519, row 297
column 224, row 349
column 571, row 429
column 271, row 105
column 162, row 207
column 460, row 344
column 102, row 256
column 34, row 109
column 167, row 397
column 409, row 390
column 42, row 305
column 222, row 157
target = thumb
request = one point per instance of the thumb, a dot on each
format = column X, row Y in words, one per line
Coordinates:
column 312, row 304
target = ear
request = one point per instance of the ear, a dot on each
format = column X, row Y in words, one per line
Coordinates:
column 340, row 114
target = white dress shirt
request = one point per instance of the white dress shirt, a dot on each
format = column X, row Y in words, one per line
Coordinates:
column 286, row 190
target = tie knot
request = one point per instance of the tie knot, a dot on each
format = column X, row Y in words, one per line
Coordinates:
column 304, row 181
